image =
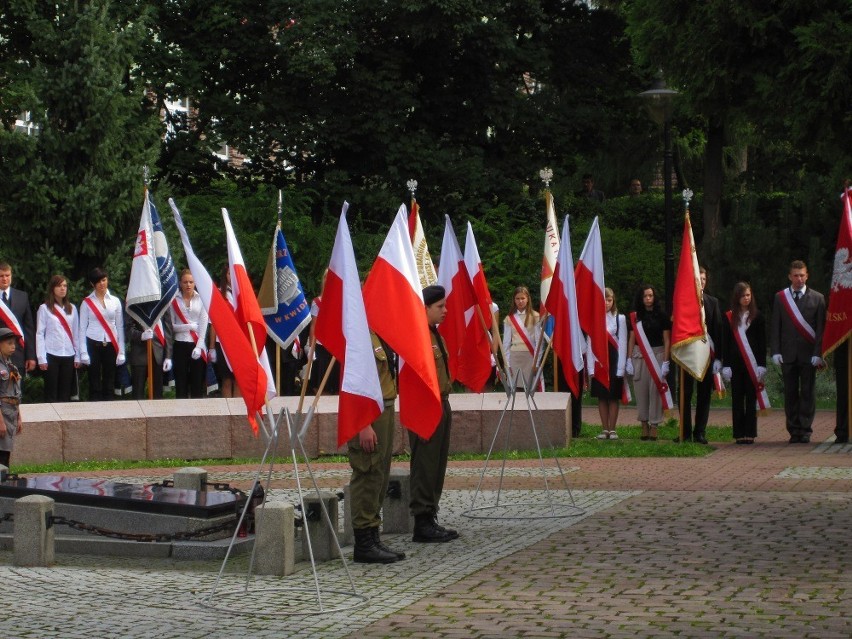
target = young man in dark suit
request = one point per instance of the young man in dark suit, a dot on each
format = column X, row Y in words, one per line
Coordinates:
column 798, row 321
column 17, row 303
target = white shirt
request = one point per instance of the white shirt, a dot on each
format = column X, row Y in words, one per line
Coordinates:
column 511, row 339
column 91, row 327
column 194, row 314
column 51, row 336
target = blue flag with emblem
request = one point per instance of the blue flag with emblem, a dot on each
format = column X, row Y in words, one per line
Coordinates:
column 281, row 297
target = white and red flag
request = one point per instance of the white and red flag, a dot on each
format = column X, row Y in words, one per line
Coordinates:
column 467, row 342
column 395, row 310
column 838, row 318
column 425, row 267
column 342, row 328
column 561, row 303
column 591, row 303
column 246, row 306
column 477, row 277
column 690, row 346
column 551, row 248
column 250, row 377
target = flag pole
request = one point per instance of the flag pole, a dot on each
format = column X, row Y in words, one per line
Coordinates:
column 848, row 387
column 150, row 345
column 680, row 402
column 277, row 345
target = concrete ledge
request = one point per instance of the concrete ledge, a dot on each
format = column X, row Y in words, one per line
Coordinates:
column 218, row 428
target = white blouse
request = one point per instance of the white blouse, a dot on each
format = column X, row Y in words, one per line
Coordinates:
column 194, row 314
column 51, row 336
column 91, row 327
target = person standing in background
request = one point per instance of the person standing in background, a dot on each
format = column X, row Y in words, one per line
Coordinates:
column 57, row 324
column 101, row 336
column 16, row 314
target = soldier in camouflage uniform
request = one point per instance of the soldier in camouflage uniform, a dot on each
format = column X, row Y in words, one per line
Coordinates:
column 10, row 395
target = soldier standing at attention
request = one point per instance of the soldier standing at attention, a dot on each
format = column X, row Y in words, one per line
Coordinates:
column 10, row 395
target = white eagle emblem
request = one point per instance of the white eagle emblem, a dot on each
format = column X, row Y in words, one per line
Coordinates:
column 842, row 277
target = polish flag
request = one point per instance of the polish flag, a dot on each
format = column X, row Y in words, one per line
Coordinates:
column 425, row 266
column 838, row 324
column 477, row 277
column 246, row 306
column 467, row 342
column 342, row 328
column 395, row 310
column 551, row 248
column 561, row 303
column 250, row 377
column 591, row 303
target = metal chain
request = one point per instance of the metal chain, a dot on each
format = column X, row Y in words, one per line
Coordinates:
column 145, row 537
column 10, row 516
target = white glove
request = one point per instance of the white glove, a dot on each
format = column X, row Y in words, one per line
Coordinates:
column 84, row 359
column 664, row 369
column 167, row 365
column 777, row 359
column 727, row 373
column 761, row 373
column 196, row 353
column 817, row 362
column 147, row 335
column 717, row 366
column 193, row 326
column 628, row 367
column 211, row 356
column 119, row 360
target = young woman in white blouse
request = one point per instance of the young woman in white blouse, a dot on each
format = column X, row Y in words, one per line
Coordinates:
column 521, row 332
column 57, row 324
column 101, row 336
column 189, row 320
column 608, row 398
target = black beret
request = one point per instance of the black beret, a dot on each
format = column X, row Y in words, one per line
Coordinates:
column 6, row 333
column 432, row 294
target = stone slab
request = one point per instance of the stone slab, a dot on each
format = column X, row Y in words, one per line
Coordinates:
column 105, row 438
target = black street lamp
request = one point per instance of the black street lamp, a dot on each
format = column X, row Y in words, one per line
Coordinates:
column 658, row 100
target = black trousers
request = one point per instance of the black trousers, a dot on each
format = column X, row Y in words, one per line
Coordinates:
column 799, row 400
column 101, row 371
column 702, row 404
column 841, row 379
column 139, row 379
column 743, row 406
column 59, row 378
column 190, row 374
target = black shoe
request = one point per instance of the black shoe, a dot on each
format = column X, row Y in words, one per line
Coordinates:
column 805, row 439
column 699, row 439
column 426, row 532
column 841, row 440
column 741, row 441
column 453, row 534
column 795, row 439
column 399, row 554
column 368, row 552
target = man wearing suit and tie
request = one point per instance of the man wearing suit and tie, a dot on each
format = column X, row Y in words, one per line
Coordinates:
column 798, row 320
column 713, row 319
column 17, row 315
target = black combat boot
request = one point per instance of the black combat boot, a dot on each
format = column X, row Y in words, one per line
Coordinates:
column 452, row 534
column 425, row 531
column 366, row 550
column 377, row 538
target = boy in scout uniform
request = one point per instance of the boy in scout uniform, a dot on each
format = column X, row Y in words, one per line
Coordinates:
column 370, row 459
column 10, row 395
column 429, row 456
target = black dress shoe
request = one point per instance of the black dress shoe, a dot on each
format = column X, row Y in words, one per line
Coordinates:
column 699, row 439
column 841, row 440
column 795, row 439
column 805, row 439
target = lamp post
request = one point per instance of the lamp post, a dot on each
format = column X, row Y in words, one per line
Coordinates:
column 658, row 100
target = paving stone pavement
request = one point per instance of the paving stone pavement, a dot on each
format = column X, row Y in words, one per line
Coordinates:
column 750, row 541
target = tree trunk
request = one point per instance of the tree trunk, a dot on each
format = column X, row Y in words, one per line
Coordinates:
column 713, row 172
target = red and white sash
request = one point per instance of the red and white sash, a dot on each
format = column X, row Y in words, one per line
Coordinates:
column 60, row 315
column 651, row 363
column 158, row 332
column 106, row 325
column 805, row 329
column 522, row 333
column 747, row 354
column 625, row 387
column 194, row 334
column 11, row 321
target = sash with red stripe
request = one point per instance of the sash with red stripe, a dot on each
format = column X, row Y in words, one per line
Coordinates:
column 651, row 362
column 106, row 325
column 158, row 332
column 625, row 387
column 12, row 322
column 747, row 354
column 718, row 384
column 522, row 333
column 60, row 315
column 805, row 330
column 183, row 320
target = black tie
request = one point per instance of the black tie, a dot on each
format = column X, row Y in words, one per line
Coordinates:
column 5, row 298
column 797, row 295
